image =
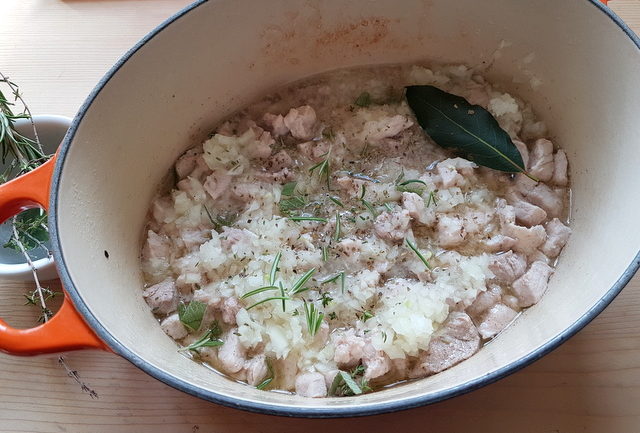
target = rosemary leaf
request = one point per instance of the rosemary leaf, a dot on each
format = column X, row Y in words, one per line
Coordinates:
column 260, row 290
column 273, row 298
column 419, row 254
column 303, row 218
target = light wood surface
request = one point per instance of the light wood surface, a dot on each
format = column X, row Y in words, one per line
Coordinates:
column 56, row 51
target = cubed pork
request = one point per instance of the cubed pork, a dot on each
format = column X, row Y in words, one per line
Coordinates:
column 162, row 297
column 530, row 287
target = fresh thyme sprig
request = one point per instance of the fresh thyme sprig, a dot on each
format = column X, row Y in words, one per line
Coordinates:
column 27, row 155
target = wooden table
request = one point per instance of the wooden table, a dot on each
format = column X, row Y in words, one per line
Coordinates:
column 56, row 51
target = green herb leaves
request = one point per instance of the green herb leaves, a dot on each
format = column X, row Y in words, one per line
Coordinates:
column 423, row 259
column 191, row 315
column 345, row 383
column 452, row 122
column 291, row 199
column 314, row 318
column 208, row 339
column 363, row 100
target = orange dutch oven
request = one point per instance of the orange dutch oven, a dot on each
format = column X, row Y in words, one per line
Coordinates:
column 216, row 56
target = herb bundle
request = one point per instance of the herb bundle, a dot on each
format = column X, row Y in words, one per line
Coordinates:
column 19, row 155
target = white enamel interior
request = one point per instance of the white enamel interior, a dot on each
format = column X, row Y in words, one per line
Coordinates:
column 223, row 54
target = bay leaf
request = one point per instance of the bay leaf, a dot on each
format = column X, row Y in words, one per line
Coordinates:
column 452, row 122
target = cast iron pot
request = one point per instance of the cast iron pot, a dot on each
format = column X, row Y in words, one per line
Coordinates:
column 216, row 56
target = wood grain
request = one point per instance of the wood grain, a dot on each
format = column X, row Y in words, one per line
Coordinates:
column 57, row 50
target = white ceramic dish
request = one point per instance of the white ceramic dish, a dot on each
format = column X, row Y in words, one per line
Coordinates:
column 214, row 57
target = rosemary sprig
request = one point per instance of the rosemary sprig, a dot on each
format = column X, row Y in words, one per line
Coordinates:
column 314, row 318
column 336, row 200
column 325, row 253
column 366, row 203
column 419, row 254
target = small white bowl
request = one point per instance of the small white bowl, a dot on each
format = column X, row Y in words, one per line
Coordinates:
column 51, row 130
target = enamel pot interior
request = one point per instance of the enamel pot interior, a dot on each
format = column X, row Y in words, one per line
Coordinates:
column 215, row 57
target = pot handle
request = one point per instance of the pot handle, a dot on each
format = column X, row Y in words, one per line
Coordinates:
column 65, row 330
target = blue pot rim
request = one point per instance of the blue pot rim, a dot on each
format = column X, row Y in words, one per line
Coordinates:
column 292, row 411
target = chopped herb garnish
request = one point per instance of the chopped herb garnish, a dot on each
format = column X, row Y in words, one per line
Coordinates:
column 342, row 281
column 260, row 290
column 289, row 189
column 363, row 100
column 314, row 318
column 328, row 134
column 330, row 279
column 343, row 384
column 282, row 293
column 419, row 254
column 333, row 315
column 221, row 220
column 336, row 200
column 323, row 168
column 273, row 298
column 325, row 253
column 326, row 299
column 370, row 208
column 291, row 204
column 298, row 287
column 269, row 379
column 191, row 315
column 338, row 231
column 388, row 207
column 366, row 315
column 274, row 269
column 208, row 339
column 293, row 200
column 407, row 182
column 433, row 198
column 366, row 203
column 303, row 218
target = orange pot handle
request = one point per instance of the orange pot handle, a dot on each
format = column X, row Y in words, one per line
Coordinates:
column 66, row 330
